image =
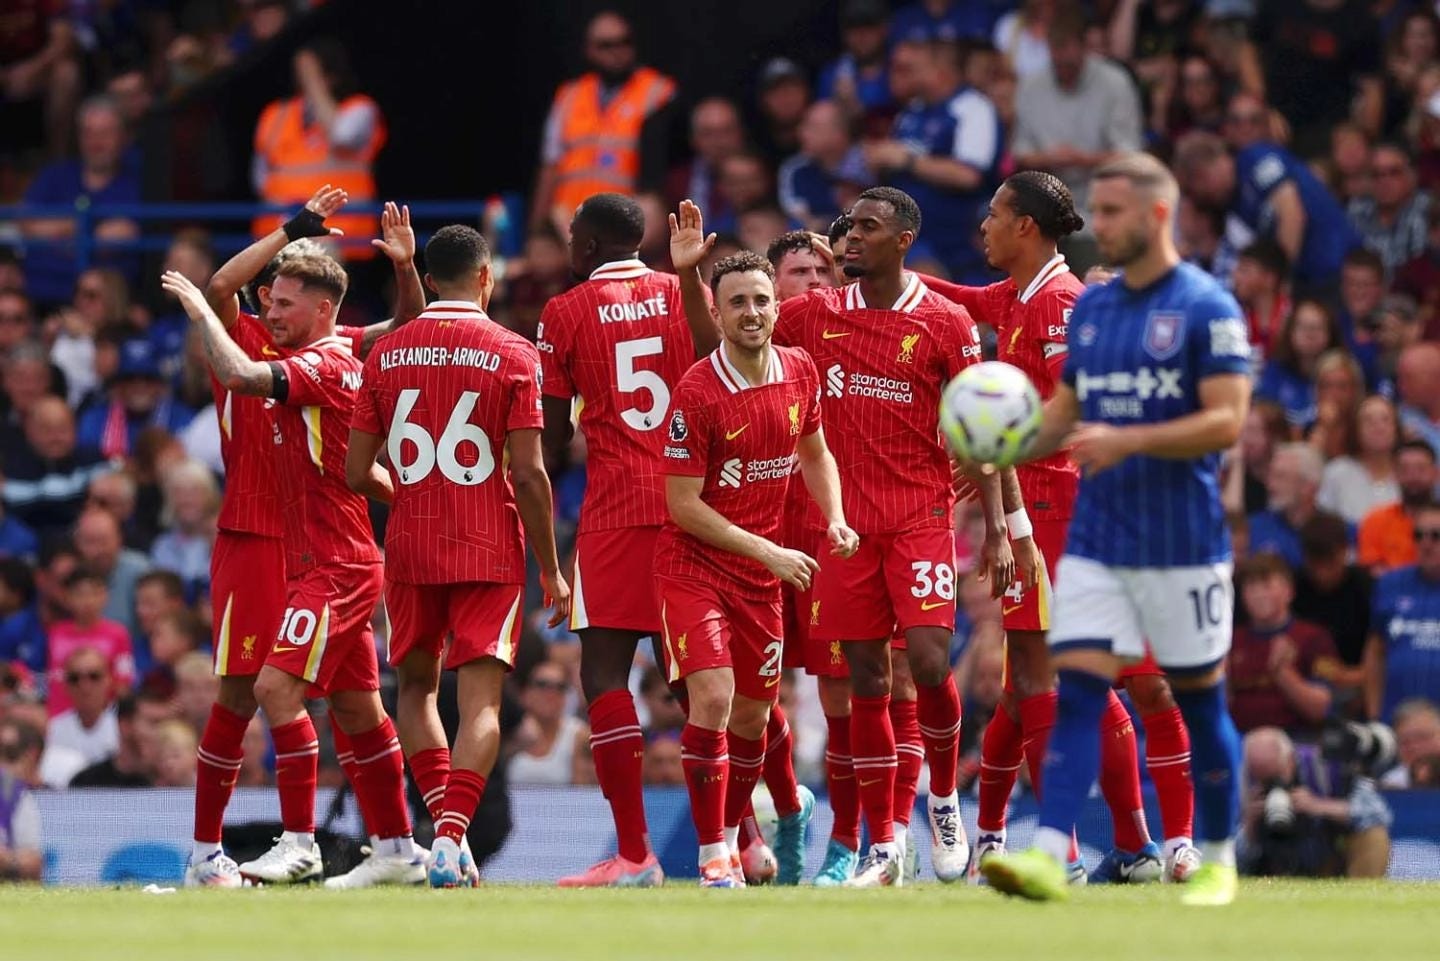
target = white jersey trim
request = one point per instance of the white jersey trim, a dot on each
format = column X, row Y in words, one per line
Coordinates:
column 1053, row 268
column 914, row 292
column 621, row 270
column 735, row 381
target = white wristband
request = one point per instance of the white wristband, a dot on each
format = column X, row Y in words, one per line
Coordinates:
column 1019, row 524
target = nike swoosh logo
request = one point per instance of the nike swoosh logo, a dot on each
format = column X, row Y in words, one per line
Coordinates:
column 868, row 783
column 772, row 682
column 930, row 606
column 277, row 649
column 1012, row 610
column 732, row 434
column 832, row 335
column 268, row 351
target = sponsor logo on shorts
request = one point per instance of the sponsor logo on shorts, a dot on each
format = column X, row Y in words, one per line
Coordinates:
column 815, row 614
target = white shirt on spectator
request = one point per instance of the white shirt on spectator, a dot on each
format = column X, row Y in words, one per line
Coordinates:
column 1028, row 54
column 1347, row 489
column 201, row 440
column 68, row 739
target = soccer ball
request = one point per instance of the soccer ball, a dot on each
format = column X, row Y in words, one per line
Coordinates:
column 990, row 413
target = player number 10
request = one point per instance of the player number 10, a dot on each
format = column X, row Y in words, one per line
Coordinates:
column 629, row 380
column 1210, row 608
column 430, row 453
column 942, row 584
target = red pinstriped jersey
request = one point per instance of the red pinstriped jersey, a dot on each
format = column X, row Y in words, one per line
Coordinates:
column 445, row 391
column 881, row 373
column 1030, row 329
column 314, row 420
column 249, row 438
column 620, row 342
column 741, row 439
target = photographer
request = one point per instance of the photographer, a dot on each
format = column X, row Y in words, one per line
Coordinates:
column 1309, row 811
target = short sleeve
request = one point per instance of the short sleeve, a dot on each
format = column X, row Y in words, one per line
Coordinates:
column 1265, row 171
column 1219, row 337
column 354, row 338
column 366, row 417
column 1049, row 327
column 527, row 384
column 961, row 344
column 687, row 436
column 552, row 339
column 314, row 377
column 796, row 314
column 976, row 139
column 812, row 387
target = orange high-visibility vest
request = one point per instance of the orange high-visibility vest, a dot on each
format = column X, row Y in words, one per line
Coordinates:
column 601, row 146
column 299, row 161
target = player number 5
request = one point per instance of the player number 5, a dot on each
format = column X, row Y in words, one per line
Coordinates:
column 942, row 585
column 430, row 453
column 630, row 380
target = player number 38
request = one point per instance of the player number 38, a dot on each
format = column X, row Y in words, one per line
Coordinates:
column 936, row 579
column 443, row 453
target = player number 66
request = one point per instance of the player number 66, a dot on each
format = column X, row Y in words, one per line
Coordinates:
column 430, row 453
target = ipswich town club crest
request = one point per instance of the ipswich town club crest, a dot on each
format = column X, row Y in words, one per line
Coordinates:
column 1164, row 333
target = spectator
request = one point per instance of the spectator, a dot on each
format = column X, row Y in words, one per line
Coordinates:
column 192, row 505
column 22, row 740
column 1363, row 477
column 16, row 538
column 136, row 397
column 757, row 226
column 261, row 21
column 1387, row 534
column 175, row 635
column 87, row 731
column 1194, row 102
column 1402, row 656
column 662, row 765
column 945, row 153
column 196, row 686
column 858, row 79
column 97, row 317
column 22, row 636
column 99, row 177
column 158, row 594
column 128, row 766
column 1023, row 37
column 130, row 88
column 828, row 173
column 1349, row 165
column 28, row 376
column 156, row 451
column 21, row 854
column 1264, row 430
column 1339, row 388
column 1153, row 38
column 189, row 254
column 1293, row 483
column 1321, row 65
column 1398, row 329
column 17, row 319
column 1288, row 378
column 1417, row 742
column 1417, row 380
column 1420, row 278
column 115, row 493
column 97, row 539
column 1074, row 116
column 86, row 627
column 743, row 185
column 1362, row 290
column 784, row 93
column 551, row 741
column 540, row 274
column 1411, row 47
column 715, row 135
column 41, row 77
column 1200, row 236
column 617, row 102
column 328, row 133
column 1276, row 663
column 662, row 708
column 1261, row 286
column 1393, row 219
column 1270, row 192
column 946, row 20
column 1332, row 591
column 175, row 744
column 46, row 481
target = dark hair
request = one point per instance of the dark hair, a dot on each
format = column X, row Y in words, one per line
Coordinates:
column 1417, row 444
column 84, row 574
column 1364, row 257
column 335, row 62
column 1270, row 256
column 1323, row 536
column 907, row 211
column 455, row 252
column 792, row 241
column 1044, row 198
column 1263, row 566
column 841, row 225
column 174, row 587
column 1284, row 354
column 54, row 547
column 190, row 626
column 614, row 219
column 18, row 579
column 743, row 262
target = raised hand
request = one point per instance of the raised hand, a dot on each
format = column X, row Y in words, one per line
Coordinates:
column 397, row 237
column 325, row 202
column 996, row 564
column 191, row 297
column 688, row 243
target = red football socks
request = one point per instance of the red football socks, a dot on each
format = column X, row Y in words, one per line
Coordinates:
column 618, row 747
column 706, row 760
column 747, row 758
column 1002, row 751
column 380, row 781
column 463, row 791
column 345, row 754
column 431, row 770
column 1120, row 777
column 1037, row 719
column 909, row 757
column 1167, row 758
column 873, row 742
column 939, row 714
column 217, row 766
column 779, row 764
column 297, row 755
column 840, row 782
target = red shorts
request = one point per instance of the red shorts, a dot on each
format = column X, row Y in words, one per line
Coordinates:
column 485, row 617
column 1146, row 668
column 705, row 627
column 247, row 595
column 892, row 583
column 610, row 585
column 795, row 620
column 1030, row 610
column 325, row 635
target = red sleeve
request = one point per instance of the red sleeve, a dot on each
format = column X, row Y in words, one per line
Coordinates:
column 252, row 337
column 552, row 338
column 314, row 377
column 961, row 343
column 795, row 314
column 979, row 301
column 366, row 417
column 812, row 385
column 687, row 441
column 352, row 337
column 1049, row 323
column 526, row 377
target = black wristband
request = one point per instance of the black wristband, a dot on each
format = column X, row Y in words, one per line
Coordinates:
column 307, row 223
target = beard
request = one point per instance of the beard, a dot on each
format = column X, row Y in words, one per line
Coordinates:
column 854, row 271
column 1128, row 249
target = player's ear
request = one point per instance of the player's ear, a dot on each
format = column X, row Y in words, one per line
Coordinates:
column 430, row 283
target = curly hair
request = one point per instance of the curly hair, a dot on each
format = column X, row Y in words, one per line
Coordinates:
column 741, row 263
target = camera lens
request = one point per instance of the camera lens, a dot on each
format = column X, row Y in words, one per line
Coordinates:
column 1279, row 811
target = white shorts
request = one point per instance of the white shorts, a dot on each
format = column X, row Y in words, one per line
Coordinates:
column 1186, row 613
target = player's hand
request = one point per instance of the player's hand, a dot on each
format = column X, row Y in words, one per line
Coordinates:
column 843, row 541
column 795, row 568
column 557, row 597
column 397, row 237
column 179, row 286
column 997, row 564
column 1028, row 562
column 325, row 202
column 962, row 479
column 688, row 243
column 1097, row 447
column 821, row 245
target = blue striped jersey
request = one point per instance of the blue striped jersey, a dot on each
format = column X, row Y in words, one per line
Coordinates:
column 1405, row 613
column 1138, row 357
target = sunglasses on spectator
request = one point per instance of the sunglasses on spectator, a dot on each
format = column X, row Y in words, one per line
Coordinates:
column 1427, row 534
column 549, row 685
column 75, row 677
column 611, row 43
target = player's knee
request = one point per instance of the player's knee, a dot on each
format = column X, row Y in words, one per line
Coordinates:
column 749, row 717
column 237, row 695
column 834, row 696
column 1029, row 659
column 1150, row 693
column 281, row 695
column 869, row 675
column 356, row 712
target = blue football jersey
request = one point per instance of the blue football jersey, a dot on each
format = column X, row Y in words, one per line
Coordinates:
column 1259, row 170
column 1406, row 614
column 1138, row 357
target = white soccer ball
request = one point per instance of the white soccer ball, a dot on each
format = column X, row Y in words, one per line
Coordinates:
column 990, row 413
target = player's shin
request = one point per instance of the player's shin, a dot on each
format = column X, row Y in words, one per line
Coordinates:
column 1120, row 777
column 1215, row 753
column 1167, row 758
column 779, row 771
column 1073, row 758
column 1002, row 751
column 841, row 785
column 217, row 766
column 618, row 747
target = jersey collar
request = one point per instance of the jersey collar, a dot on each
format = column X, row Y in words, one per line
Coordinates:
column 735, row 381
column 454, row 310
column 906, row 303
column 621, row 270
column 1053, row 268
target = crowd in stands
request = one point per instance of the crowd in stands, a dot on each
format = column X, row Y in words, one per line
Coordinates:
column 1305, row 135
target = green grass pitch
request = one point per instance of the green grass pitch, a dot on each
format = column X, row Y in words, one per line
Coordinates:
column 1272, row 921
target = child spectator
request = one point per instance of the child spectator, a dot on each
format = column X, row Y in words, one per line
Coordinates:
column 176, row 635
column 157, row 594
column 86, row 595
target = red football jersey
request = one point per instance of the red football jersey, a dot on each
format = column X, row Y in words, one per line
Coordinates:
column 883, row 371
column 314, row 420
column 1030, row 329
column 742, row 440
column 620, row 341
column 444, row 391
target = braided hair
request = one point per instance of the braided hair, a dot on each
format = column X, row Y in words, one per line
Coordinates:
column 1045, row 199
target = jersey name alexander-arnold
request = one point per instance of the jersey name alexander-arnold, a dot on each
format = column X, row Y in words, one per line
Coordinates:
column 635, row 310
column 440, row 357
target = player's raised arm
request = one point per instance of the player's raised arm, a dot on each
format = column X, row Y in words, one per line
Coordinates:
column 688, row 247
column 534, row 501
column 222, row 292
column 397, row 241
column 233, row 369
column 822, row 480
column 697, row 518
